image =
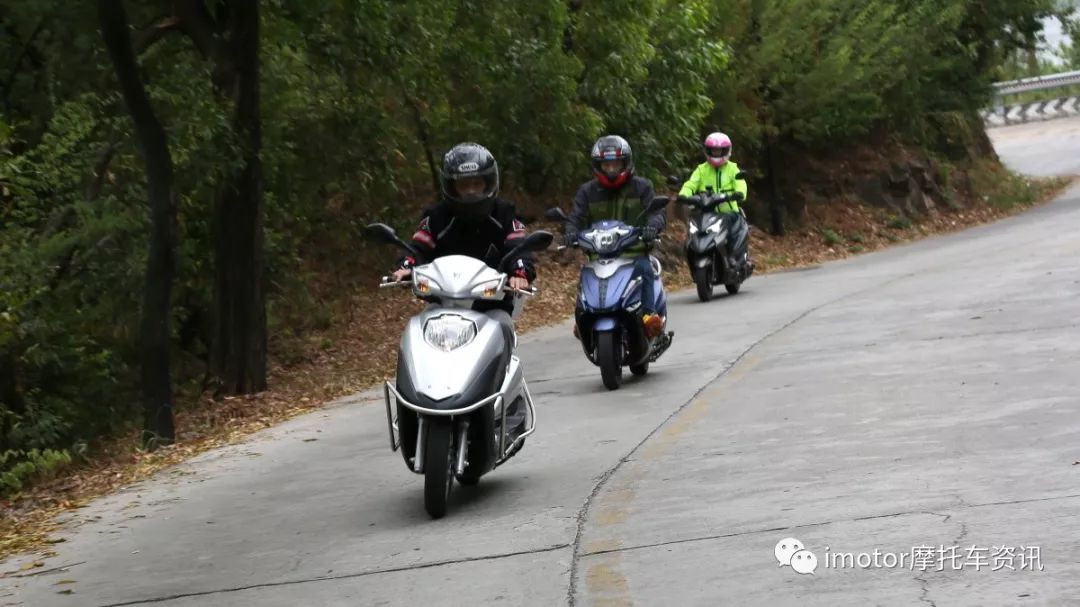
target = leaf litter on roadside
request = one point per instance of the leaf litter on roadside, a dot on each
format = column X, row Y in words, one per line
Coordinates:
column 363, row 352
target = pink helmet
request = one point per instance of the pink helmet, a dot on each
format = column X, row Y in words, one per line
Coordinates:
column 717, row 149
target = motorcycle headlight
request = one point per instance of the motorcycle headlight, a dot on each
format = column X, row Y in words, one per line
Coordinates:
column 714, row 228
column 693, row 228
column 449, row 332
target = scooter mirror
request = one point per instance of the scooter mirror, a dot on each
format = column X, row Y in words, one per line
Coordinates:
column 674, row 180
column 386, row 235
column 658, row 203
column 555, row 214
column 537, row 241
column 741, row 175
column 382, row 233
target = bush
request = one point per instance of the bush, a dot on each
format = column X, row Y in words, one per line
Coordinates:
column 899, row 222
column 20, row 467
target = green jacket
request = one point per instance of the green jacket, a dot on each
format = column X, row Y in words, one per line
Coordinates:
column 722, row 180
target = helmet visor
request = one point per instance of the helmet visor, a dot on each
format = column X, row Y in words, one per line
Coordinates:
column 473, row 188
column 612, row 167
column 718, row 152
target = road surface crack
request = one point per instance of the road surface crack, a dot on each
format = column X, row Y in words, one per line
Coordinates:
column 343, row 576
column 945, row 518
column 583, row 513
column 924, row 596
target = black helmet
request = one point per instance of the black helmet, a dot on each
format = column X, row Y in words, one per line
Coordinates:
column 612, row 147
column 470, row 161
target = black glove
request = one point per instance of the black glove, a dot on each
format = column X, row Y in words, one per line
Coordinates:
column 570, row 238
column 648, row 233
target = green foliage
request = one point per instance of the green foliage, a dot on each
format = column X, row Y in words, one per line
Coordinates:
column 361, row 97
column 899, row 222
column 830, row 237
column 20, row 467
column 1004, row 189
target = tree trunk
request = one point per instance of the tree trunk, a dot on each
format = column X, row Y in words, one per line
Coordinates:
column 154, row 330
column 776, row 202
column 238, row 353
column 424, row 133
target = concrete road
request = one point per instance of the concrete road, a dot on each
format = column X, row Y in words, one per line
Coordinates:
column 1040, row 148
column 917, row 401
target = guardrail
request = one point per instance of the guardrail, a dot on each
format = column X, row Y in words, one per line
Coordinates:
column 1037, row 83
column 1061, row 107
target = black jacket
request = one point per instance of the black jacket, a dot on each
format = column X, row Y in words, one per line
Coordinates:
column 440, row 233
column 593, row 202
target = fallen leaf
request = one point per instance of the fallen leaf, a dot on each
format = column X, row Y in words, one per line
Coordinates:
column 68, row 591
column 61, row 582
column 365, row 351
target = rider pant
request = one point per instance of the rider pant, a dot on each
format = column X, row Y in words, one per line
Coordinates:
column 737, row 228
column 651, row 286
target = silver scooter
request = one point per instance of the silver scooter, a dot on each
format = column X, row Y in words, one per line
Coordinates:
column 460, row 406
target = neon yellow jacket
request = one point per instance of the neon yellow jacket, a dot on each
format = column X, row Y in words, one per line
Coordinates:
column 722, row 180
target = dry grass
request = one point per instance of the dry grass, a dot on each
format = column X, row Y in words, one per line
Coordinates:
column 358, row 349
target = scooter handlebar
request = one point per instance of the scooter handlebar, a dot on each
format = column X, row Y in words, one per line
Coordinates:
column 530, row 292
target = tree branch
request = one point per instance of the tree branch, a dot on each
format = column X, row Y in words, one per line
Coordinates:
column 199, row 25
column 27, row 48
column 101, row 168
column 146, row 38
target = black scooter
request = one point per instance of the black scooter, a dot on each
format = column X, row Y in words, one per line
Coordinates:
column 718, row 246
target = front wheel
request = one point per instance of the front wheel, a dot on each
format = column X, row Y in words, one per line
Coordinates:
column 438, row 466
column 607, row 354
column 703, row 280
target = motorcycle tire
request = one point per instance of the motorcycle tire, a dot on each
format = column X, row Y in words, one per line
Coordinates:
column 703, row 280
column 438, row 466
column 607, row 354
column 733, row 288
column 641, row 369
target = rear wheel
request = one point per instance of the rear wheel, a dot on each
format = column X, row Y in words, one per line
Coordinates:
column 641, row 369
column 438, row 466
column 703, row 280
column 607, row 353
column 733, row 288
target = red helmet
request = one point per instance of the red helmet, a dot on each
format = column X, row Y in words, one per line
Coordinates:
column 612, row 148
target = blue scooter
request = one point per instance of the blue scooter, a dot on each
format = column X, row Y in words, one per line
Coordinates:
column 609, row 308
